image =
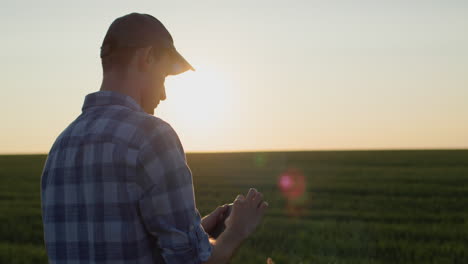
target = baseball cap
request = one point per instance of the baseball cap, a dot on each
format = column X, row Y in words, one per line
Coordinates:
column 137, row 30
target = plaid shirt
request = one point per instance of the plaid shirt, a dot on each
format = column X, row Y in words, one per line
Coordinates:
column 116, row 188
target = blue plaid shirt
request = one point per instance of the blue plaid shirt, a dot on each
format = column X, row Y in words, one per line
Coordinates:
column 116, row 188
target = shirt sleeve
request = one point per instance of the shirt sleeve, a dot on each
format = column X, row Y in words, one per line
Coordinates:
column 168, row 204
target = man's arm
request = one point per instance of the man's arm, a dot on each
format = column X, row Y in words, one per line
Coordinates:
column 224, row 247
column 167, row 205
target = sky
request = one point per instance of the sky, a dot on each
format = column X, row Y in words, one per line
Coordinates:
column 270, row 75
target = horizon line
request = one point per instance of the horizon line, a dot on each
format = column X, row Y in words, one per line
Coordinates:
column 276, row 150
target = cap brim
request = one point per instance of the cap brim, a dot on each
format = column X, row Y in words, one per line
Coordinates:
column 180, row 64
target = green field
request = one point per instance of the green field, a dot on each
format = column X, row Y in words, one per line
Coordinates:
column 359, row 206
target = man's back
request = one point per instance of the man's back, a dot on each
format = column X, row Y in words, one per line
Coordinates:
column 116, row 189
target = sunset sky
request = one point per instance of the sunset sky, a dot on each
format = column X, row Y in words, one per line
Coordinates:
column 271, row 75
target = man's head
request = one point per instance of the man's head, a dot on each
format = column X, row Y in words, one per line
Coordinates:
column 137, row 54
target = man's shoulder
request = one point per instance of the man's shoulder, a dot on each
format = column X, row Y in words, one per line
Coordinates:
column 155, row 129
column 150, row 125
column 118, row 125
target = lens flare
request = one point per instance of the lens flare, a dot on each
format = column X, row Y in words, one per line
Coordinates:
column 286, row 182
column 292, row 184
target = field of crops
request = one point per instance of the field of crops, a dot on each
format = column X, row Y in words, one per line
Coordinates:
column 351, row 207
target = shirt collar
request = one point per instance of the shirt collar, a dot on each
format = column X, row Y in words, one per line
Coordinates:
column 102, row 98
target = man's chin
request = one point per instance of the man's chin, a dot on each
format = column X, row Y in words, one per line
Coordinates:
column 153, row 109
column 150, row 110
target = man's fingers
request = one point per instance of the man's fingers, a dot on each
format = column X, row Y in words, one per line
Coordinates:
column 221, row 216
column 221, row 209
column 240, row 197
column 251, row 194
column 263, row 206
column 258, row 199
column 258, row 196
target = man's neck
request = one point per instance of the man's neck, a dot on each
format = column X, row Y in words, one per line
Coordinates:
column 113, row 83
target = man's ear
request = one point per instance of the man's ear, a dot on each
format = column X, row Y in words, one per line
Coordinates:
column 145, row 58
column 150, row 55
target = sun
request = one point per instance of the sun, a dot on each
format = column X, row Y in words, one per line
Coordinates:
column 199, row 100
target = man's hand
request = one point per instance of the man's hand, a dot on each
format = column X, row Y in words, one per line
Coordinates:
column 210, row 221
column 247, row 213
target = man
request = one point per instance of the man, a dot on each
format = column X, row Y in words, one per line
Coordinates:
column 116, row 187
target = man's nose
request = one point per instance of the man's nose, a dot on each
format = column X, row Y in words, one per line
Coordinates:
column 163, row 95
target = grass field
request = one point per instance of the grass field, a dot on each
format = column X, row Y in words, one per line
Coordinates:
column 358, row 207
